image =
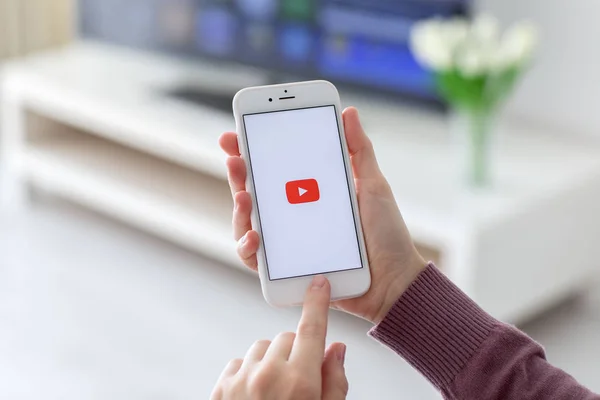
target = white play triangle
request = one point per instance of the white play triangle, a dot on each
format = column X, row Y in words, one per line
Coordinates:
column 301, row 191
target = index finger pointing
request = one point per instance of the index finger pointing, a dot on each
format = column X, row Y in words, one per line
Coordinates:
column 309, row 345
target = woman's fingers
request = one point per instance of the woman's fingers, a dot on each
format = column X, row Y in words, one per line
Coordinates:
column 364, row 163
column 335, row 383
column 229, row 143
column 309, row 345
column 247, row 248
column 236, row 174
column 256, row 352
column 281, row 347
column 241, row 214
column 232, row 368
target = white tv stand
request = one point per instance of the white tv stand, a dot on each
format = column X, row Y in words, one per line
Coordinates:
column 89, row 123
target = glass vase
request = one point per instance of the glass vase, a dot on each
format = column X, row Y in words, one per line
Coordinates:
column 473, row 130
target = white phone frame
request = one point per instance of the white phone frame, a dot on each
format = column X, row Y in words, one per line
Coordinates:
column 290, row 96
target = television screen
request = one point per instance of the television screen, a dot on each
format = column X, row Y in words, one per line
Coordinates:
column 359, row 42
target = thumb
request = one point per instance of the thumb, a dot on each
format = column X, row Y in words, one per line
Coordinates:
column 335, row 384
column 364, row 163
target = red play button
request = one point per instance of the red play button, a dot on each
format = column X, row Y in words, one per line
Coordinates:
column 302, row 191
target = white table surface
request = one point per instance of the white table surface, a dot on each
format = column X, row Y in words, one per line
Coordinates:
column 91, row 309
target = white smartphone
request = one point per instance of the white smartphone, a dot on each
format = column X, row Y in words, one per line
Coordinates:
column 305, row 210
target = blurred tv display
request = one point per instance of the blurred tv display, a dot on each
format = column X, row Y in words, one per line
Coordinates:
column 357, row 42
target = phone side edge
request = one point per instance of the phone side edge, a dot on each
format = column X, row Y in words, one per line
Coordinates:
column 255, row 220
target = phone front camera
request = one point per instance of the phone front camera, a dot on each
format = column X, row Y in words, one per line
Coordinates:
column 270, row 99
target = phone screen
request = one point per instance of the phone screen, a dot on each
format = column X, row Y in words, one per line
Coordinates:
column 301, row 188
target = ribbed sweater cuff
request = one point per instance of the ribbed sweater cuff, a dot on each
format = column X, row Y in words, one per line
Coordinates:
column 435, row 327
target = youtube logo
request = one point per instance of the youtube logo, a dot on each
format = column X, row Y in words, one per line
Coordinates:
column 302, row 191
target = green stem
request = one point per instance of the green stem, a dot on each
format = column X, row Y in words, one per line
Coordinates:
column 479, row 130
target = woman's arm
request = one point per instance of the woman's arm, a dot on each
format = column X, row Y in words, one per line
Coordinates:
column 465, row 352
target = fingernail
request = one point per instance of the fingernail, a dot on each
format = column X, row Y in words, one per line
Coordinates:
column 341, row 354
column 318, row 282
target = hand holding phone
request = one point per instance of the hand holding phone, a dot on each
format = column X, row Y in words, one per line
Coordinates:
column 393, row 260
column 304, row 202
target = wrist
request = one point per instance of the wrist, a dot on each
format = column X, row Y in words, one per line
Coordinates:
column 398, row 284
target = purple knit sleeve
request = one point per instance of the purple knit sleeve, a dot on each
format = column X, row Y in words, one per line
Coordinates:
column 464, row 352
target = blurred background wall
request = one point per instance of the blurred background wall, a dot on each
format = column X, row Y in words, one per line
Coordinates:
column 562, row 92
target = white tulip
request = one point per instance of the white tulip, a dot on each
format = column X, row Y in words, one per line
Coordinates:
column 519, row 43
column 455, row 32
column 485, row 30
column 428, row 46
column 471, row 62
column 475, row 49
